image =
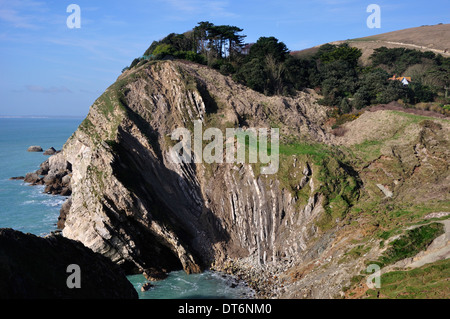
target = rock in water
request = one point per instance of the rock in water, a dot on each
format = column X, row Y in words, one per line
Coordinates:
column 154, row 274
column 35, row 267
column 35, row 148
column 50, row 151
column 55, row 173
column 32, row 178
column 15, row 178
column 146, row 286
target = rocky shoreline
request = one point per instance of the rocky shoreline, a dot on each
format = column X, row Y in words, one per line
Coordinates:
column 55, row 174
column 264, row 281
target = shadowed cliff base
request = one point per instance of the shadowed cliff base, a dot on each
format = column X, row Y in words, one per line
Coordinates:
column 32, row 267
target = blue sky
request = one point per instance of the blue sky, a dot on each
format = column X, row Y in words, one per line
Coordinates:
column 47, row 68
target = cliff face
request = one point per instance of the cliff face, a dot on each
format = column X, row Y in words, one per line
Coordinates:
column 133, row 204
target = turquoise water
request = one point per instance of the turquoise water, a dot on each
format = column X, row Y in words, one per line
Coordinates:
column 179, row 285
column 26, row 208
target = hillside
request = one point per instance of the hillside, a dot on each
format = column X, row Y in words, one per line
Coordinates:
column 435, row 38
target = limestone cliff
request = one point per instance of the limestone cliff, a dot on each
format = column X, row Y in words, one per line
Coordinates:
column 133, row 204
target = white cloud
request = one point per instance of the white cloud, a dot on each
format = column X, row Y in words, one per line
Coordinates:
column 12, row 17
column 24, row 14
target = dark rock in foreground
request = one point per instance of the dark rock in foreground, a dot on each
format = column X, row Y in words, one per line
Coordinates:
column 33, row 267
column 35, row 148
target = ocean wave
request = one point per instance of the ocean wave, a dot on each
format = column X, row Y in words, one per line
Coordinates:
column 29, row 202
column 54, row 202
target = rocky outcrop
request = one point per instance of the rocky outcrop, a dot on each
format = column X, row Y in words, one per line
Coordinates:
column 33, row 267
column 55, row 173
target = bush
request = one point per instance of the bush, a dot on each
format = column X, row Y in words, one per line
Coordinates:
column 227, row 69
column 195, row 57
column 361, row 98
column 345, row 106
column 134, row 63
column 420, row 93
column 341, row 53
column 399, row 59
column 163, row 50
column 392, row 92
column 411, row 243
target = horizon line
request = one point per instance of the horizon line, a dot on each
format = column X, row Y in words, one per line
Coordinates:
column 42, row 116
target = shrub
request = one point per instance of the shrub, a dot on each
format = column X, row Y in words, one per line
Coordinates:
column 227, row 68
column 134, row 63
column 345, row 106
column 163, row 50
column 411, row 243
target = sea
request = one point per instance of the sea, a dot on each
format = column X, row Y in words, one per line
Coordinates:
column 27, row 209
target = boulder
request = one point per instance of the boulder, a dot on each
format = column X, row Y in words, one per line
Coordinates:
column 154, row 274
column 50, row 151
column 50, row 179
column 66, row 180
column 35, row 267
column 35, row 148
column 146, row 286
column 65, row 208
column 65, row 191
column 43, row 168
column 32, row 178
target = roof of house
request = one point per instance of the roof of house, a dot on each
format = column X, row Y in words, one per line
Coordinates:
column 400, row 78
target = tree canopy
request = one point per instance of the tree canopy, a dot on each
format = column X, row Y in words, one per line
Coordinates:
column 334, row 70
